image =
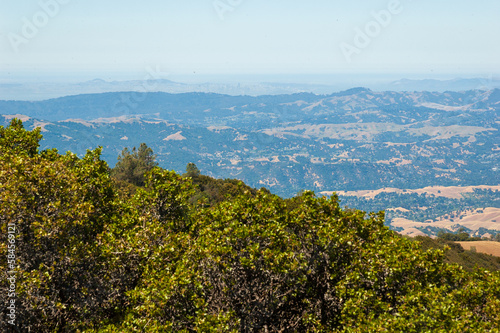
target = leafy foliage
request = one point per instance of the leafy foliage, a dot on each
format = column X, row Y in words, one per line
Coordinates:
column 210, row 191
column 16, row 140
column 93, row 259
column 192, row 170
column 133, row 165
column 60, row 206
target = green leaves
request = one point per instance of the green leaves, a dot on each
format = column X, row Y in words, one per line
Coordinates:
column 15, row 139
column 133, row 165
column 92, row 259
column 60, row 206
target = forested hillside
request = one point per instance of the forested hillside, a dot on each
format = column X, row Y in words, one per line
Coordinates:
column 90, row 249
column 352, row 140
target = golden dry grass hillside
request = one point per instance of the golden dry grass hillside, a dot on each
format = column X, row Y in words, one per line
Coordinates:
column 492, row 248
column 488, row 218
column 452, row 192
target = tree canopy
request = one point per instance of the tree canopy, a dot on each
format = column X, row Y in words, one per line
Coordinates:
column 192, row 170
column 133, row 164
column 89, row 259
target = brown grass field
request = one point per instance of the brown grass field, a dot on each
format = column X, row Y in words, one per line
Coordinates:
column 453, row 192
column 492, row 248
column 488, row 218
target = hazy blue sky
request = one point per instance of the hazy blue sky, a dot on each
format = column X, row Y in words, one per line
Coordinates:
column 425, row 37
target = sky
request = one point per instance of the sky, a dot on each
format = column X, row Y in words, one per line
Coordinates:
column 128, row 39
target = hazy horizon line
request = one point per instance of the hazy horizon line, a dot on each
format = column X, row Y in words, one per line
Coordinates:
column 299, row 78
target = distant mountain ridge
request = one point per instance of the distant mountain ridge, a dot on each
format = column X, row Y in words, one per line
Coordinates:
column 47, row 90
column 91, row 106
